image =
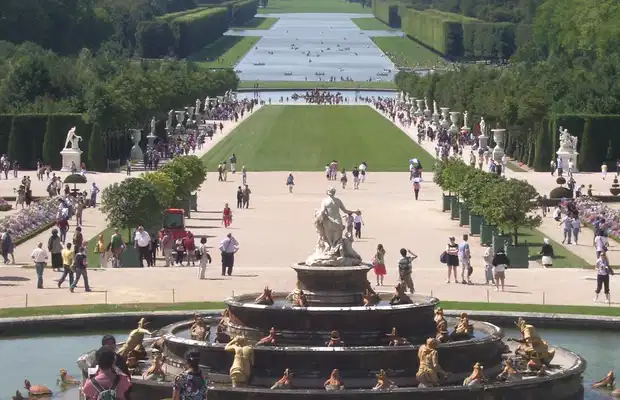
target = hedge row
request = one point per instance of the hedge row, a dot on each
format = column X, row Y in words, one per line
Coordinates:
column 31, row 137
column 457, row 36
column 387, row 12
column 599, row 140
column 183, row 33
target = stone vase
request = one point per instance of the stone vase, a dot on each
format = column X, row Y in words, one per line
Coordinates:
column 454, row 117
column 498, row 137
column 444, row 118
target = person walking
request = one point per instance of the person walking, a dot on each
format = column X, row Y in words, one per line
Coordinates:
column 239, row 197
column 54, row 246
column 405, row 269
column 290, row 182
column 416, row 187
column 357, row 224
column 600, row 243
column 190, row 384
column 94, row 191
column 204, row 257
column 547, row 254
column 116, row 247
column 7, row 246
column 488, row 266
column 39, row 255
column 246, row 196
column 81, row 265
column 378, row 264
column 142, row 242
column 68, row 256
column 233, row 163
column 356, row 178
column 100, row 249
column 603, row 270
column 452, row 258
column 226, row 216
column 78, row 238
column 465, row 261
column 500, row 263
column 567, row 223
column 228, row 247
column 576, row 228
column 167, row 247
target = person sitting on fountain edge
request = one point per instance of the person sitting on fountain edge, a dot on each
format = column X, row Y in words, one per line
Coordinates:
column 107, row 378
column 120, row 362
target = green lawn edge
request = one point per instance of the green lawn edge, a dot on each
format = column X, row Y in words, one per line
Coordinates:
column 371, row 23
column 314, row 6
column 256, row 23
column 214, row 305
column 225, row 52
column 306, row 85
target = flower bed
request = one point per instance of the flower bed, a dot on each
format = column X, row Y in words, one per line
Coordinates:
column 31, row 220
column 4, row 205
column 590, row 209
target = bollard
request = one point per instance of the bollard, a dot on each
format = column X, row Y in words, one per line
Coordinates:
column 488, row 296
column 106, row 296
column 543, row 298
column 233, row 293
column 26, row 299
column 432, row 293
column 173, row 296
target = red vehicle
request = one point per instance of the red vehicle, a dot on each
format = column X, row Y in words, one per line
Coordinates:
column 174, row 222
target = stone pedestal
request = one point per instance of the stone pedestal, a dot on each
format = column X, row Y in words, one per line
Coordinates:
column 151, row 138
column 454, row 117
column 483, row 141
column 339, row 286
column 136, row 153
column 566, row 155
column 498, row 137
column 70, row 156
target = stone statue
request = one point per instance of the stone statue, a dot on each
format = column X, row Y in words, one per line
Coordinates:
column 200, row 330
column 221, row 336
column 334, row 340
column 609, row 381
column 269, row 340
column 465, row 120
column 334, row 382
column 429, row 372
column 135, row 341
column 241, row 368
column 332, row 248
column 383, row 383
column 442, row 335
column 476, row 378
column 198, row 104
column 426, row 108
column 169, row 120
column 567, row 142
column 483, row 126
column 284, row 382
column 435, row 109
column 400, row 297
column 73, row 139
column 153, row 122
column 207, row 103
column 532, row 347
column 136, row 136
column 371, row 298
column 396, row 339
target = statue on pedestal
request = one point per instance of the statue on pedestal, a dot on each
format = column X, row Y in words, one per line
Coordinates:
column 169, row 120
column 198, row 103
column 153, row 122
column 483, row 126
column 567, row 142
column 73, row 139
column 332, row 248
column 465, row 119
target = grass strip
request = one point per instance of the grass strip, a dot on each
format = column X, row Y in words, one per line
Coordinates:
column 405, row 53
column 308, row 85
column 371, row 24
column 314, row 6
column 193, row 306
column 255, row 23
column 225, row 52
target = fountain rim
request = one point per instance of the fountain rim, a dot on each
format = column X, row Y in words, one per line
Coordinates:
column 302, row 266
column 233, row 301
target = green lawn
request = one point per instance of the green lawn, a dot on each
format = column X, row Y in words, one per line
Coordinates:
column 225, row 52
column 305, row 138
column 303, row 85
column 371, row 24
column 150, row 307
column 407, row 53
column 564, row 258
column 313, row 6
column 256, row 23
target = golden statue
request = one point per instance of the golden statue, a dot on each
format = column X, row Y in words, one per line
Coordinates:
column 334, row 340
column 67, row 380
column 509, row 373
column 284, row 382
column 135, row 340
column 371, row 298
column 334, row 382
column 241, row 369
column 477, row 376
column 400, row 297
column 429, row 372
column 442, row 335
column 200, row 330
column 224, row 318
column 266, row 298
column 608, row 382
column 221, row 336
column 532, row 347
column 383, row 383
column 464, row 330
column 396, row 339
column 155, row 372
column 269, row 340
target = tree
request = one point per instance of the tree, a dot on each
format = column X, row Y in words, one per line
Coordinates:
column 164, row 185
column 510, row 204
column 181, row 178
column 453, row 175
column 96, row 152
column 132, row 203
column 196, row 170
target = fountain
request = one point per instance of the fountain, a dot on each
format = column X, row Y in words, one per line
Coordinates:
column 333, row 325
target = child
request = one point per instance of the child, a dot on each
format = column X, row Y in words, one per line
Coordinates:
column 179, row 247
column 378, row 264
column 343, row 179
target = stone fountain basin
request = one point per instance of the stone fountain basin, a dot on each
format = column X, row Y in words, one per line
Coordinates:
column 358, row 364
column 358, row 325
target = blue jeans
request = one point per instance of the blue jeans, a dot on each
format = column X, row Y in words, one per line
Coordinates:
column 40, row 266
column 575, row 234
column 81, row 273
column 567, row 235
column 66, row 272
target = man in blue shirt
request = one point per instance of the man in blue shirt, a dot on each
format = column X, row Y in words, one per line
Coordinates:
column 465, row 261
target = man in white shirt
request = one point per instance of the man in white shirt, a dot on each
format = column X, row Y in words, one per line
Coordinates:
column 600, row 243
column 142, row 242
column 228, row 247
column 358, row 222
column 362, row 169
column 39, row 256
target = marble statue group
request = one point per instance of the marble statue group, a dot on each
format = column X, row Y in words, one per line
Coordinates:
column 332, row 248
column 567, row 142
column 73, row 139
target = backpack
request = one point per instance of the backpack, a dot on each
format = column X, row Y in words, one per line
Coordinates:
column 106, row 394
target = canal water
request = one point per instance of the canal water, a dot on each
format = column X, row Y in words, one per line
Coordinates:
column 40, row 359
column 349, row 95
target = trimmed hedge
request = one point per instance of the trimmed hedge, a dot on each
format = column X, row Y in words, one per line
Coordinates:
column 434, row 29
column 198, row 29
column 155, row 39
column 22, row 146
column 387, row 12
column 243, row 11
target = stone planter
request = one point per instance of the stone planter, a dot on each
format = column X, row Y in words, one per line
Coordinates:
column 499, row 241
column 518, row 256
column 475, row 223
column 445, row 202
column 454, row 208
column 463, row 214
column 130, row 258
column 486, row 234
column 193, row 202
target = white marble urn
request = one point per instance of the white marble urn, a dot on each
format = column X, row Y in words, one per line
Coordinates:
column 498, row 136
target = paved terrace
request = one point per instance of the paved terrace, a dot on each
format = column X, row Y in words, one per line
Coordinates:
column 334, row 44
column 278, row 230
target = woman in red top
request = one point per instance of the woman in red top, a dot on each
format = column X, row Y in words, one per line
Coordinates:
column 190, row 247
column 227, row 216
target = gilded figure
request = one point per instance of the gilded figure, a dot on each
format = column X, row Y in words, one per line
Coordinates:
column 430, row 372
column 334, row 382
column 241, row 369
column 135, row 341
